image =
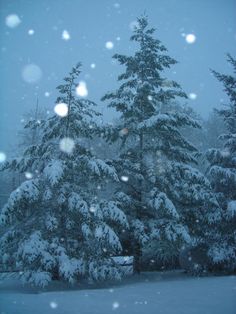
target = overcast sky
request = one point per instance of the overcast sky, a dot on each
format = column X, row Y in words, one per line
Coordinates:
column 88, row 25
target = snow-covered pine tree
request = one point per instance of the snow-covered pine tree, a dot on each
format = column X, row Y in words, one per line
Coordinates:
column 165, row 198
column 57, row 223
column 222, row 174
column 154, row 155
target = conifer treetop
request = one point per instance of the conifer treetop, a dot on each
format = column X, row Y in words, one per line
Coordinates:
column 144, row 88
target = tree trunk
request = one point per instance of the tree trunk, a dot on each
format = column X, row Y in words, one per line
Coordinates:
column 137, row 258
column 137, row 246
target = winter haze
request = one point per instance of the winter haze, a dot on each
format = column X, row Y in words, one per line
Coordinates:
column 90, row 25
column 118, row 157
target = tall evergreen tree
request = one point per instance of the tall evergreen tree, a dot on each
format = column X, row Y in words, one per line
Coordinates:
column 222, row 173
column 58, row 225
column 154, row 154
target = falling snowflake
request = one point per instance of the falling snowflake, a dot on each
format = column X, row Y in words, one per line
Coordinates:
column 13, row 20
column 53, row 305
column 92, row 209
column 46, row 94
column 93, row 65
column 31, row 32
column 133, row 25
column 192, row 96
column 31, row 73
column 61, row 109
column 124, row 131
column 81, row 89
column 109, row 45
column 65, row 35
column 28, row 175
column 115, row 305
column 118, row 38
column 124, row 178
column 149, row 97
column 67, row 145
column 3, row 157
column 190, row 38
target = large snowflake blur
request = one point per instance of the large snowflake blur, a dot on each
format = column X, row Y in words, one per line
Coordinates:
column 3, row 157
column 12, row 20
column 81, row 89
column 31, row 73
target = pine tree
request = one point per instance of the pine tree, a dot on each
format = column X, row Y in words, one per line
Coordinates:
column 58, row 224
column 154, row 154
column 222, row 174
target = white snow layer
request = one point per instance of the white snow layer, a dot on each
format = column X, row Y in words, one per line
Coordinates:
column 152, row 293
column 27, row 190
column 54, row 171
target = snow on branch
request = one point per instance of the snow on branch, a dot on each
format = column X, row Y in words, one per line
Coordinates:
column 54, row 171
column 112, row 212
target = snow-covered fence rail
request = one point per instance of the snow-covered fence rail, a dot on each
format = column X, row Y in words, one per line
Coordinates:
column 126, row 264
column 4, row 268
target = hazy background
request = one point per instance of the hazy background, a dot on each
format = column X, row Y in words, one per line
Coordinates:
column 91, row 24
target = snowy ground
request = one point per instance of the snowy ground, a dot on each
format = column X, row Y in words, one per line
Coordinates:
column 151, row 293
